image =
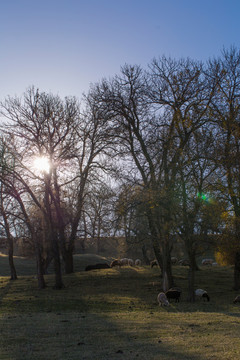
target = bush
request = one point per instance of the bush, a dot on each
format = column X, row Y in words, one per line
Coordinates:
column 227, row 246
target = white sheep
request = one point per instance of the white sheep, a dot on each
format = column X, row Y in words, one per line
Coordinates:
column 124, row 261
column 116, row 262
column 202, row 293
column 207, row 261
column 162, row 299
column 130, row 262
column 184, row 262
column 138, row 262
column 174, row 260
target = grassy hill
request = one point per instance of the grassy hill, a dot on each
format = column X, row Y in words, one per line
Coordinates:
column 114, row 314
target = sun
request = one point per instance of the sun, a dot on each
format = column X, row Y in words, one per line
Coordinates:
column 41, row 163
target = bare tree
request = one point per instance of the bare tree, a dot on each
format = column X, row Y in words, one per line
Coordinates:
column 225, row 114
column 6, row 225
column 98, row 210
column 17, row 191
column 200, row 210
column 39, row 127
column 44, row 127
column 154, row 116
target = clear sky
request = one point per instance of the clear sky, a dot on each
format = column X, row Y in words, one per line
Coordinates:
column 61, row 46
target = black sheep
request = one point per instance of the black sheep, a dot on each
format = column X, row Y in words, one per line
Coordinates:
column 154, row 263
column 173, row 294
column 97, row 266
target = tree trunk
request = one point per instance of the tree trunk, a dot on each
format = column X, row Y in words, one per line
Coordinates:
column 237, row 271
column 68, row 262
column 67, row 255
column 158, row 254
column 40, row 272
column 164, row 260
column 10, row 259
column 46, row 262
column 57, row 264
column 145, row 257
column 191, row 278
column 167, row 267
column 196, row 267
column 10, row 245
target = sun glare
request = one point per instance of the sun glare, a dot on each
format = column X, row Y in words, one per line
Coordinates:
column 41, row 163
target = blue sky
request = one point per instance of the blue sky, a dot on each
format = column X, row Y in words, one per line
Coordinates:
column 61, row 46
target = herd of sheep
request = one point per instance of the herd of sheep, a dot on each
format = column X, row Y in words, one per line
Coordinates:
column 175, row 293
column 163, row 298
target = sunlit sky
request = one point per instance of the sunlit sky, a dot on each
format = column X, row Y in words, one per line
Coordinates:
column 61, row 46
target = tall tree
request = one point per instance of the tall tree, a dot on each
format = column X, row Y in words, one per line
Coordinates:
column 154, row 116
column 45, row 128
column 98, row 210
column 200, row 211
column 20, row 193
column 225, row 107
column 6, row 206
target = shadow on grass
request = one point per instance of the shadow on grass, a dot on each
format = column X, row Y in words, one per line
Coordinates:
column 98, row 315
column 5, row 286
column 84, row 336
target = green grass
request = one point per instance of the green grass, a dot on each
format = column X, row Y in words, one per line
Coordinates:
column 113, row 314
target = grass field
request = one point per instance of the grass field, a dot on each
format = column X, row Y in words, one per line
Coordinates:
column 113, row 314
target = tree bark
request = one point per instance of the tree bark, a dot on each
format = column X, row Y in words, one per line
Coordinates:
column 68, row 261
column 40, row 271
column 10, row 259
column 191, row 278
column 57, row 263
column 10, row 243
column 237, row 271
column 145, row 257
column 167, row 265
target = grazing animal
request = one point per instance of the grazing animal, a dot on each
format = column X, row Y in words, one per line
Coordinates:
column 174, row 260
column 138, row 262
column 207, row 262
column 184, row 262
column 130, row 262
column 237, row 299
column 97, row 266
column 116, row 262
column 173, row 294
column 162, row 299
column 202, row 293
column 176, row 288
column 154, row 263
column 124, row 261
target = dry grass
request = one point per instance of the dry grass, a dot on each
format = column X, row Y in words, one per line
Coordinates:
column 113, row 314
